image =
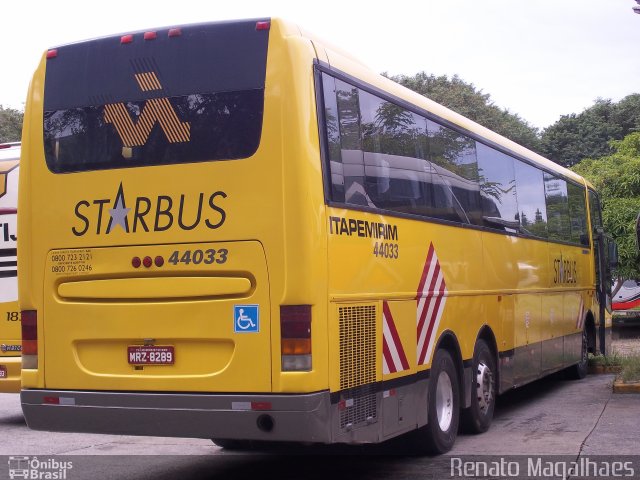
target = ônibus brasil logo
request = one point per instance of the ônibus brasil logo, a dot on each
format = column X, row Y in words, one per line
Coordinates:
column 33, row 468
column 146, row 214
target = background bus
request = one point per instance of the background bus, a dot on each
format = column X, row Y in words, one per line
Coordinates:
column 10, row 344
column 278, row 244
column 626, row 302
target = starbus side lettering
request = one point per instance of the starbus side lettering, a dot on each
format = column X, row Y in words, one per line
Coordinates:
column 159, row 214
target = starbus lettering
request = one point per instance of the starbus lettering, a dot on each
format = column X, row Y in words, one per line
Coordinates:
column 148, row 214
column 565, row 271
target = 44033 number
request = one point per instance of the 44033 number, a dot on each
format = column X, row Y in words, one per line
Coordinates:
column 197, row 257
column 386, row 250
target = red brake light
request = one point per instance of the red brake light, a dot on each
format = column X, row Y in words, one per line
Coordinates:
column 29, row 332
column 126, row 39
column 295, row 321
column 295, row 341
column 150, row 35
column 263, row 25
column 147, row 262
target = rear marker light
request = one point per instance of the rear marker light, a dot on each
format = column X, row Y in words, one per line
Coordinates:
column 136, row 262
column 52, row 53
column 263, row 25
column 260, row 405
column 159, row 261
column 295, row 337
column 51, row 400
column 29, row 339
column 150, row 35
column 147, row 262
column 126, row 39
column 174, row 32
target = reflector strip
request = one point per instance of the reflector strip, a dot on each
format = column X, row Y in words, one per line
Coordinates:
column 581, row 315
column 260, row 405
column 393, row 357
column 431, row 298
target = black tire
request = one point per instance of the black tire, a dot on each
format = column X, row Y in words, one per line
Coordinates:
column 477, row 418
column 441, row 430
column 579, row 370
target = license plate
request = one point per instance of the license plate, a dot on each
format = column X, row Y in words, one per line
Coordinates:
column 151, row 355
column 3, row 371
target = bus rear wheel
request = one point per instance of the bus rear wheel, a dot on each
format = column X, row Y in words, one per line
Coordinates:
column 443, row 414
column 477, row 418
column 579, row 370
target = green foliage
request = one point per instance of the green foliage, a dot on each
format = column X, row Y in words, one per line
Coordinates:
column 617, row 178
column 630, row 369
column 589, row 134
column 10, row 125
column 613, row 360
column 465, row 99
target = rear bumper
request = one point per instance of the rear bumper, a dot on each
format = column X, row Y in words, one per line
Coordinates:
column 302, row 417
column 12, row 366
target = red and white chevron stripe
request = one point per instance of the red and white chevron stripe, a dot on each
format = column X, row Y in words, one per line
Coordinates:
column 431, row 299
column 393, row 356
column 581, row 316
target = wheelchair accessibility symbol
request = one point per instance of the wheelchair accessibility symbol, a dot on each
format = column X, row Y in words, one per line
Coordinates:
column 246, row 318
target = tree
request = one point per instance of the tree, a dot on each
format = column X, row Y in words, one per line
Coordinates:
column 10, row 125
column 588, row 134
column 617, row 179
column 465, row 99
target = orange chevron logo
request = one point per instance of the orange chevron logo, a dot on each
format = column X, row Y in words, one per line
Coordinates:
column 5, row 168
column 156, row 110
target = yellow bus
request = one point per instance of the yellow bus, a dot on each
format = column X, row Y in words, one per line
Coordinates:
column 10, row 345
column 234, row 231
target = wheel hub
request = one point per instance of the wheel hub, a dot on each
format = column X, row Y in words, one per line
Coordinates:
column 444, row 401
column 484, row 387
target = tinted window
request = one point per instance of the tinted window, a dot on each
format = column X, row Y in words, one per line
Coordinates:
column 497, row 189
column 455, row 173
column 578, row 214
column 397, row 176
column 351, row 145
column 221, row 126
column 190, row 98
column 559, row 223
column 532, row 209
column 333, row 138
column 384, row 156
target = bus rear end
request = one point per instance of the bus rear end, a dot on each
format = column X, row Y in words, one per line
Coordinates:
column 10, row 346
column 153, row 284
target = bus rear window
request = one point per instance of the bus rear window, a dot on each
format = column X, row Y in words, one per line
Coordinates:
column 193, row 97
